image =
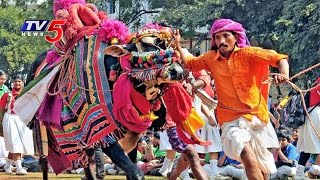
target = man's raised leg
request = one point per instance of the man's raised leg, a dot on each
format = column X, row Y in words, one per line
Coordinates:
column 250, row 163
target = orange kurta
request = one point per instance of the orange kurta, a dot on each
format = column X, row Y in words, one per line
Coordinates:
column 238, row 80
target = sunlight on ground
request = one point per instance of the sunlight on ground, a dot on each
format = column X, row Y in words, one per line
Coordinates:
column 36, row 176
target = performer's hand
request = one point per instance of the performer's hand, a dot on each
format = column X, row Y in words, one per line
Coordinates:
column 177, row 37
column 275, row 121
column 188, row 87
column 279, row 78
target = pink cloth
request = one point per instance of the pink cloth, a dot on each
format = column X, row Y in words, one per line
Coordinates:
column 124, row 108
column 53, row 58
column 229, row 25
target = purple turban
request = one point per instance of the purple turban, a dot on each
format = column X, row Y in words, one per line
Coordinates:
column 229, row 25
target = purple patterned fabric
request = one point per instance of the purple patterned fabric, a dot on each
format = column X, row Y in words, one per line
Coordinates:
column 176, row 143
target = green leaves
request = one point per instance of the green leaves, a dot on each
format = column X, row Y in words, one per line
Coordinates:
column 298, row 30
column 17, row 51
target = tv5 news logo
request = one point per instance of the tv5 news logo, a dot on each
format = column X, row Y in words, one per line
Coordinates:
column 37, row 27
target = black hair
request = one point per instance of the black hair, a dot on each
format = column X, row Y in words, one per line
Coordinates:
column 18, row 76
column 140, row 139
column 285, row 132
column 156, row 135
column 2, row 73
column 149, row 132
column 292, row 92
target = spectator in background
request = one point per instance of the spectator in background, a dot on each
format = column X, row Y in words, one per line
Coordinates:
column 3, row 79
column 295, row 136
column 231, row 167
column 3, row 89
column 286, row 156
column 17, row 136
column 308, row 138
column 151, row 156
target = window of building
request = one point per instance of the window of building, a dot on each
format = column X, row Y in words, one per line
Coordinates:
column 112, row 6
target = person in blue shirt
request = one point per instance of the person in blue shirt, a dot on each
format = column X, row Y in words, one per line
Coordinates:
column 231, row 167
column 287, row 156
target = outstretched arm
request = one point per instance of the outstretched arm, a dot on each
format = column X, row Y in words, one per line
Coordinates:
column 283, row 67
column 177, row 38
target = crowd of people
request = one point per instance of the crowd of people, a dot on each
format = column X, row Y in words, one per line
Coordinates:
column 244, row 140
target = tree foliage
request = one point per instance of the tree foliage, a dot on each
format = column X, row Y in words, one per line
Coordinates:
column 298, row 31
column 17, row 51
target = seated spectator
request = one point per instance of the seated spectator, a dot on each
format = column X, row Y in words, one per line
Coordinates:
column 148, row 152
column 314, row 168
column 287, row 154
column 31, row 163
column 231, row 167
column 295, row 137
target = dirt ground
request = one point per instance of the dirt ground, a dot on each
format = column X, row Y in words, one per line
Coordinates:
column 38, row 176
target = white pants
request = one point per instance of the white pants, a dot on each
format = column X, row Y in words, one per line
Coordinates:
column 283, row 172
column 233, row 172
column 257, row 134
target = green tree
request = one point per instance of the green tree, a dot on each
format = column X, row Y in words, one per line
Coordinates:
column 17, row 51
column 132, row 11
column 298, row 31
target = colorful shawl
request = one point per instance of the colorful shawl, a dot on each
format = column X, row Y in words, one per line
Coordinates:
column 87, row 103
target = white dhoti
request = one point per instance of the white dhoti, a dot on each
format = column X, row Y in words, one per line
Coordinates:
column 257, row 134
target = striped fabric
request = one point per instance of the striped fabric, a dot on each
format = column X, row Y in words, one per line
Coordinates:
column 86, row 115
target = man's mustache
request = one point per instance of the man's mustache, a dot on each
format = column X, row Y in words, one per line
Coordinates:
column 223, row 45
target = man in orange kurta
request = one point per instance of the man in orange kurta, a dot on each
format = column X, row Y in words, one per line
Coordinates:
column 238, row 70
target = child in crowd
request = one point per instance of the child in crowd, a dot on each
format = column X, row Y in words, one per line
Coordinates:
column 231, row 167
column 286, row 155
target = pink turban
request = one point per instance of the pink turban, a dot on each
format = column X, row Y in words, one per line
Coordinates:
column 229, row 25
